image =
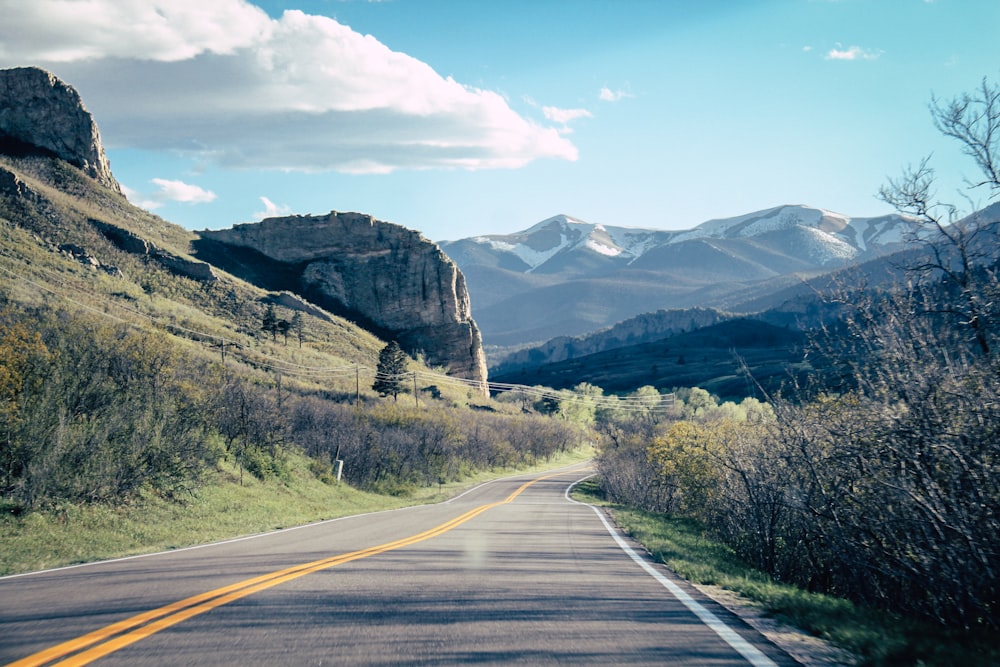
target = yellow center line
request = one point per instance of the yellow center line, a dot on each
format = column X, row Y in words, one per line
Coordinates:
column 128, row 631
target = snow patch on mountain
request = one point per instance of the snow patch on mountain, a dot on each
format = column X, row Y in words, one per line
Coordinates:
column 598, row 247
column 533, row 258
column 827, row 237
column 881, row 231
column 636, row 242
column 824, row 248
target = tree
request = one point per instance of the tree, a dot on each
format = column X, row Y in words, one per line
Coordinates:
column 898, row 478
column 270, row 322
column 391, row 372
column 283, row 327
column 579, row 405
column 298, row 326
column 960, row 255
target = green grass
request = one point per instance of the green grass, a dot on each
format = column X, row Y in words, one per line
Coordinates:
column 877, row 638
column 221, row 509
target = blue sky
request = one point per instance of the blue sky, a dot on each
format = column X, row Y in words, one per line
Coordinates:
column 460, row 118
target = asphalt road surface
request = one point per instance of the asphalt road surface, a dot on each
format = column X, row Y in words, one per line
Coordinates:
column 511, row 572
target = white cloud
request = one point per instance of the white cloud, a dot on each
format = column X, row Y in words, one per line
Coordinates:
column 565, row 116
column 140, row 199
column 608, row 95
column 224, row 81
column 180, row 191
column 70, row 30
column 852, row 53
column 271, row 210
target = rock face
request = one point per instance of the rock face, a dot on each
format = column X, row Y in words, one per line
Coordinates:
column 137, row 245
column 384, row 273
column 41, row 114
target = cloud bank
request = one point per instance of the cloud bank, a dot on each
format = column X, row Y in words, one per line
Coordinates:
column 223, row 81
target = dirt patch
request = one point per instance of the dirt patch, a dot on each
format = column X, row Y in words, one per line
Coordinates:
column 806, row 649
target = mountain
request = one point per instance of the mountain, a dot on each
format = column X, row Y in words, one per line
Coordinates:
column 567, row 277
column 57, row 187
column 763, row 333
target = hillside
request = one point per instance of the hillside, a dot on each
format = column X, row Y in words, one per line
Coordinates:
column 54, row 224
column 389, row 279
column 732, row 359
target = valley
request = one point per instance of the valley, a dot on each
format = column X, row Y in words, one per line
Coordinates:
column 789, row 384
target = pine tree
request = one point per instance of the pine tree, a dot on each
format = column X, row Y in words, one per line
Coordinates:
column 389, row 378
column 298, row 326
column 270, row 322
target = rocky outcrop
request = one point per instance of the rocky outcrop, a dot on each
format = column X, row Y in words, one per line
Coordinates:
column 382, row 273
column 294, row 303
column 81, row 255
column 39, row 114
column 136, row 245
column 17, row 190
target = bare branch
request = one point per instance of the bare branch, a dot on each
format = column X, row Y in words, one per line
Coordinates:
column 974, row 120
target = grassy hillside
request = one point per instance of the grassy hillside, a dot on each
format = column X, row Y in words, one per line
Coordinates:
column 146, row 292
column 122, row 377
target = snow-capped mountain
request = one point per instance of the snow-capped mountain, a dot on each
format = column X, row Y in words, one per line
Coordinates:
column 561, row 234
column 824, row 237
column 565, row 276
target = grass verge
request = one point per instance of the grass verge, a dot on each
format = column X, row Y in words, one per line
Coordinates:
column 876, row 638
column 219, row 510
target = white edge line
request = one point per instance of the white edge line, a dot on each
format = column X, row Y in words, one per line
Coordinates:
column 730, row 636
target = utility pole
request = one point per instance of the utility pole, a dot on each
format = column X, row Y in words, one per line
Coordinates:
column 357, row 386
column 416, row 398
column 222, row 348
column 278, row 374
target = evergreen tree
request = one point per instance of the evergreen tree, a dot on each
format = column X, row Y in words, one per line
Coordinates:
column 298, row 326
column 390, row 375
column 270, row 322
column 283, row 327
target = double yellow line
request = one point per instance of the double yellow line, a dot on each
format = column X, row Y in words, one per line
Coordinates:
column 123, row 633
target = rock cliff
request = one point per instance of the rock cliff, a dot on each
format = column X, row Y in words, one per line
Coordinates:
column 378, row 272
column 41, row 114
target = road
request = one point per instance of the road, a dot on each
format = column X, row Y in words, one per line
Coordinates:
column 511, row 572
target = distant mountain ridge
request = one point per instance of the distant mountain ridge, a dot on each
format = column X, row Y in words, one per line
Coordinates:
column 636, row 330
column 567, row 277
column 833, row 238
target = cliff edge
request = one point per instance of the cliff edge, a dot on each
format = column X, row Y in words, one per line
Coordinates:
column 381, row 273
column 40, row 114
